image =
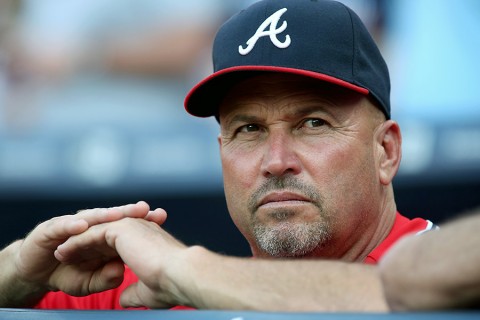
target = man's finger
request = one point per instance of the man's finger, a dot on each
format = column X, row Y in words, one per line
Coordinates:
column 62, row 227
column 129, row 297
column 139, row 295
column 159, row 216
column 96, row 278
column 102, row 215
column 109, row 277
column 54, row 230
column 87, row 246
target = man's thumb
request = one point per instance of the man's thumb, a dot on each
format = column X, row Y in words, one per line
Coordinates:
column 129, row 297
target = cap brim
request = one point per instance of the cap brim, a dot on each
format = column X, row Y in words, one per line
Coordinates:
column 204, row 98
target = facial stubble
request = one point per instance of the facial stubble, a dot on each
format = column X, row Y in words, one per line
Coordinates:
column 286, row 235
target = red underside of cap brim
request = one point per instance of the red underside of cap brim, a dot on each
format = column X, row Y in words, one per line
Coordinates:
column 201, row 86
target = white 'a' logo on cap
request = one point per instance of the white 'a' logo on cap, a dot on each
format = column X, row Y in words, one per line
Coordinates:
column 271, row 21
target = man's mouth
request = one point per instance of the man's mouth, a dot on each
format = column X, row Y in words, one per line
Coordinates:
column 282, row 197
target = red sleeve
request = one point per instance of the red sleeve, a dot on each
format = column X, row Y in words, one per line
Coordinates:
column 401, row 227
column 107, row 300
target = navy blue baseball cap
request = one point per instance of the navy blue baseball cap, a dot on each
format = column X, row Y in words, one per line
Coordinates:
column 320, row 39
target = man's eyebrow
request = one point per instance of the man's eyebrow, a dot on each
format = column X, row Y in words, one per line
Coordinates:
column 300, row 111
column 308, row 110
column 243, row 118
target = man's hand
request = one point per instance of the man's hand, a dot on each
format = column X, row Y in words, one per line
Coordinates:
column 147, row 249
column 30, row 269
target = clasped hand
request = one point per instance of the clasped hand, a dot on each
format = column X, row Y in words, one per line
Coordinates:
column 137, row 241
column 86, row 253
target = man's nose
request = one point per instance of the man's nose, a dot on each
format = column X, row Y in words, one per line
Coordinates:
column 280, row 156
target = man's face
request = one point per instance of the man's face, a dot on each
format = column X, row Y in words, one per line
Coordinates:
column 300, row 167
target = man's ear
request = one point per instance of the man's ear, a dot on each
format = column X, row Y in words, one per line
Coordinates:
column 219, row 139
column 389, row 143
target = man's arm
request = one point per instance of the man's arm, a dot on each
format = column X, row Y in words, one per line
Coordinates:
column 221, row 282
column 172, row 274
column 29, row 268
column 436, row 270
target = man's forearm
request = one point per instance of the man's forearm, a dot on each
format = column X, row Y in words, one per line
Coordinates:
column 218, row 282
column 436, row 270
column 15, row 292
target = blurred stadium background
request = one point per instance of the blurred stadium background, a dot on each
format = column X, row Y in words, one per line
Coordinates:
column 91, row 109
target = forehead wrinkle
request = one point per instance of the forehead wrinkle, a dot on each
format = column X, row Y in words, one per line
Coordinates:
column 275, row 93
column 296, row 106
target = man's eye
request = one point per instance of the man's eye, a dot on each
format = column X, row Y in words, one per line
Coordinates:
column 249, row 128
column 313, row 123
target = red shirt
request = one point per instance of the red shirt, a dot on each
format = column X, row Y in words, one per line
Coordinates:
column 109, row 300
column 401, row 227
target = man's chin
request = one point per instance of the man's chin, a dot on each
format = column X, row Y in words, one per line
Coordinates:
column 291, row 240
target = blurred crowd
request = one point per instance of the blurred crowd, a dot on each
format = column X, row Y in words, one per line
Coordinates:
column 97, row 85
column 91, row 91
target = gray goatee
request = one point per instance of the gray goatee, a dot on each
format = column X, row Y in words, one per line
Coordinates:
column 287, row 238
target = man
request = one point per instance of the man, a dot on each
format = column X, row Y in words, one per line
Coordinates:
column 308, row 153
